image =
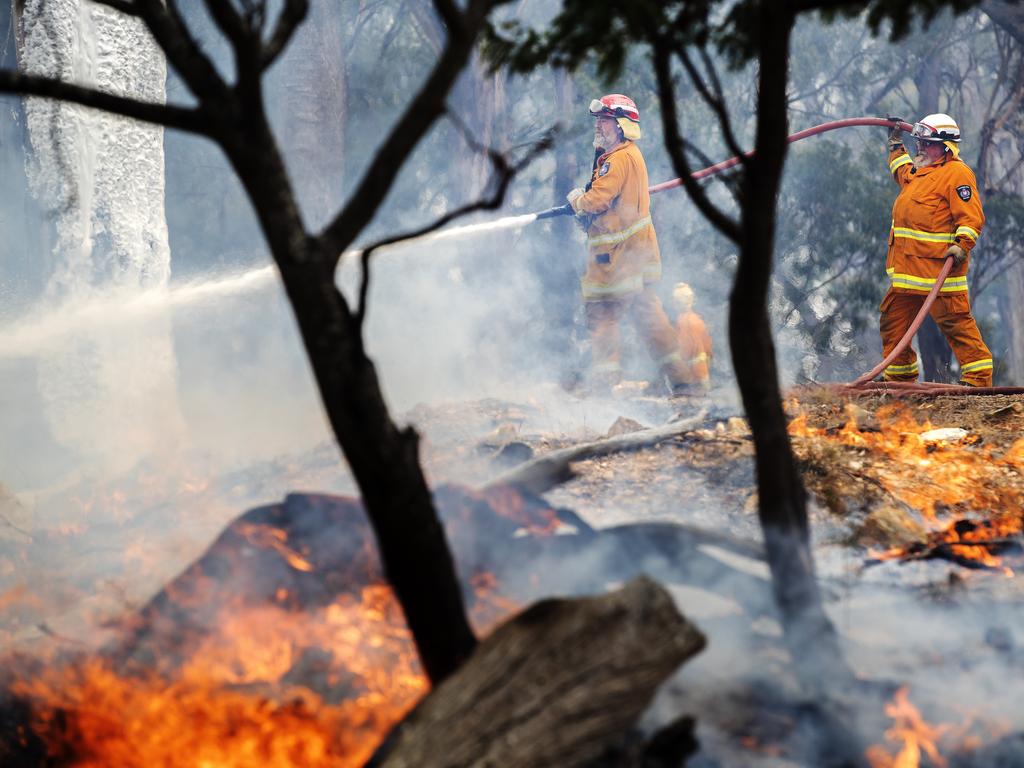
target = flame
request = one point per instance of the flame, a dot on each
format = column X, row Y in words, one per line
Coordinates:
column 244, row 697
column 269, row 537
column 916, row 735
column 270, row 686
column 924, row 475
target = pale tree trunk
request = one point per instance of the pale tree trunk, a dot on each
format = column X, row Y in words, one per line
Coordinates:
column 1011, row 306
column 558, row 265
column 1009, row 17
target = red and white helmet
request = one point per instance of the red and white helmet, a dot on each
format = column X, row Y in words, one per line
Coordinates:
column 937, row 127
column 622, row 109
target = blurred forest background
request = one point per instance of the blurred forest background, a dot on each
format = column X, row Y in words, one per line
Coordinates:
column 354, row 64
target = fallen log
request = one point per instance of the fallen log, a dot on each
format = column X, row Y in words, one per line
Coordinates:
column 560, row 684
column 304, row 553
column 552, row 469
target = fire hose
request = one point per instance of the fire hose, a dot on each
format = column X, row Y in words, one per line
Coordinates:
column 711, row 170
column 865, row 382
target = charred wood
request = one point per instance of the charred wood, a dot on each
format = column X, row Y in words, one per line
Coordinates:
column 545, row 472
column 560, row 684
column 307, row 551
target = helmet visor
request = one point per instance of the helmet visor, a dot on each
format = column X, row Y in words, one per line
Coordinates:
column 922, row 131
column 919, row 137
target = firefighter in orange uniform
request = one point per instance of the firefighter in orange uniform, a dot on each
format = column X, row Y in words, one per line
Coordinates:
column 693, row 337
column 623, row 262
column 937, row 214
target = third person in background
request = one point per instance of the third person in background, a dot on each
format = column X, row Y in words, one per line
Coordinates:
column 694, row 340
column 937, row 214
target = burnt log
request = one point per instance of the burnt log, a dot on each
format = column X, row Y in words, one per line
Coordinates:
column 545, row 472
column 309, row 550
column 560, row 684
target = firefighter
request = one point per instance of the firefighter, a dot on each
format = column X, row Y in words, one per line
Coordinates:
column 694, row 340
column 936, row 214
column 623, row 261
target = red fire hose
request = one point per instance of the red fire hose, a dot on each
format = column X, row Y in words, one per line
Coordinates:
column 711, row 170
column 823, row 128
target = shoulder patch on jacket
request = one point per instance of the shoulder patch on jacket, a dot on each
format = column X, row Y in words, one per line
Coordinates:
column 964, row 190
column 607, row 166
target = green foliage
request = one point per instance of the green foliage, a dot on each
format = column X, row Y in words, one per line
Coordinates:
column 605, row 30
column 833, row 219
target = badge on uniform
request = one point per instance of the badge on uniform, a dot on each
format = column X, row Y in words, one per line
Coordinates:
column 606, row 166
column 964, row 191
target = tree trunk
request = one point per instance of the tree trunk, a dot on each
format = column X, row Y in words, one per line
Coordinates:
column 383, row 458
column 559, row 685
column 558, row 268
column 1012, row 305
column 810, row 635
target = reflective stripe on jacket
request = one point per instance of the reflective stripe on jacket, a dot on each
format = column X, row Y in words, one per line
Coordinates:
column 936, row 207
column 622, row 247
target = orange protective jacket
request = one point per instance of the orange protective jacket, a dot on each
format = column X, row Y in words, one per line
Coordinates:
column 937, row 206
column 694, row 346
column 623, row 253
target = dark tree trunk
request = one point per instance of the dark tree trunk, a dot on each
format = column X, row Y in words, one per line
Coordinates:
column 782, row 499
column 383, row 458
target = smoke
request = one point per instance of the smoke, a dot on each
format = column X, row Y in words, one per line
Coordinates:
column 120, row 369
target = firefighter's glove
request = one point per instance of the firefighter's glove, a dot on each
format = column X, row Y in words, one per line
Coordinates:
column 895, row 139
column 959, row 254
column 573, row 197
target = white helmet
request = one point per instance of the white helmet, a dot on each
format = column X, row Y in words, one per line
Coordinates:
column 682, row 294
column 937, row 127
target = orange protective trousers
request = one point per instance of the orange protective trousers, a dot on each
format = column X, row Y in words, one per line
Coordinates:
column 952, row 313
column 648, row 317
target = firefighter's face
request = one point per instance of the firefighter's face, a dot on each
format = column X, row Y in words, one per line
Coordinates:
column 929, row 152
column 606, row 132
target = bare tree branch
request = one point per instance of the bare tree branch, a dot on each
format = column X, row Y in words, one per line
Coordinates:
column 428, row 104
column 504, row 172
column 293, row 14
column 181, row 49
column 228, row 21
column 661, row 55
column 858, row 53
column 715, row 98
column 448, row 12
column 182, row 118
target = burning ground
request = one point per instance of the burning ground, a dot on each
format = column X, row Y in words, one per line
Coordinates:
column 279, row 645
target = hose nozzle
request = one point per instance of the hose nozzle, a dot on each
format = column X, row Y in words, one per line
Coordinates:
column 558, row 210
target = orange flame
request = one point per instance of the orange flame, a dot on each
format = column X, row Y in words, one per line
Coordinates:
column 268, row 537
column 269, row 687
column 916, row 735
column 233, row 702
column 925, row 474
